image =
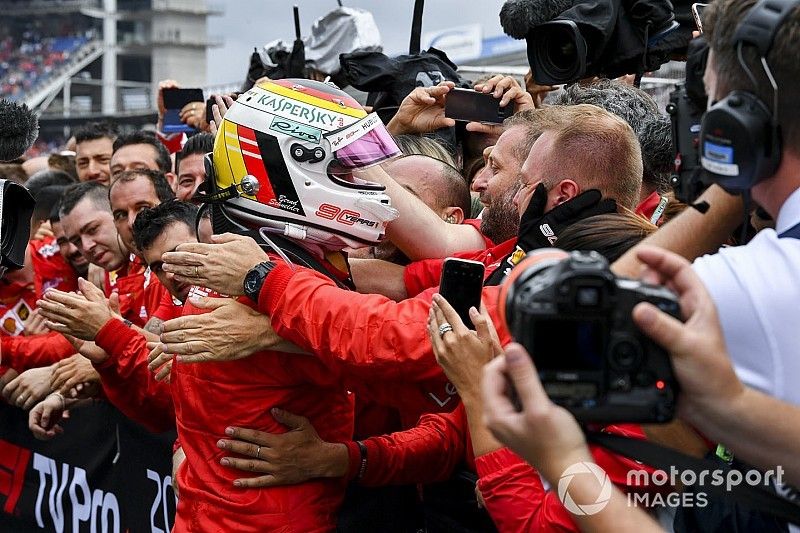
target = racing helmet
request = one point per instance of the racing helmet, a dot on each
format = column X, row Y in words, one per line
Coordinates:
column 283, row 160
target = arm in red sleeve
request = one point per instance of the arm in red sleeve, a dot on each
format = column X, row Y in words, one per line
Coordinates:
column 426, row 453
column 421, row 275
column 515, row 498
column 371, row 335
column 22, row 353
column 128, row 383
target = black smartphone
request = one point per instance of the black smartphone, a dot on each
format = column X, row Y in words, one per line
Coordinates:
column 209, row 111
column 174, row 100
column 461, row 285
column 697, row 13
column 471, row 106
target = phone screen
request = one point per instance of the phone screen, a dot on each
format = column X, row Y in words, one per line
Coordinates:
column 174, row 101
column 461, row 285
column 471, row 106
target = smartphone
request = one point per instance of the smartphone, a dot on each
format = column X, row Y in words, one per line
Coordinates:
column 471, row 106
column 461, row 285
column 697, row 13
column 211, row 101
column 174, row 100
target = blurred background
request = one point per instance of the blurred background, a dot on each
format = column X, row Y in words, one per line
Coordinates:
column 79, row 60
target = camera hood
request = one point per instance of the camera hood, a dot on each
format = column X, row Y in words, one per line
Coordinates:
column 16, row 208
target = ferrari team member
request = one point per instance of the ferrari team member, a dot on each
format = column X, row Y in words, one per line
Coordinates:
column 282, row 164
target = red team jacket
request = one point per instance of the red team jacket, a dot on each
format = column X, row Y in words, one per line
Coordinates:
column 141, row 296
column 50, row 269
column 380, row 346
column 209, row 397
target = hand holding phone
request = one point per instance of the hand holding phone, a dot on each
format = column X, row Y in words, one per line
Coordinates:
column 461, row 285
column 175, row 100
column 467, row 105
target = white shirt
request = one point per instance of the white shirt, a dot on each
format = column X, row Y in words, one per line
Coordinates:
column 757, row 292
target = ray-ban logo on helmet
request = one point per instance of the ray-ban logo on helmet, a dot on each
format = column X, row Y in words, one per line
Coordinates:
column 603, row 493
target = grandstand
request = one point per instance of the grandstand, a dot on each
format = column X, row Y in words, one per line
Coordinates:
column 75, row 61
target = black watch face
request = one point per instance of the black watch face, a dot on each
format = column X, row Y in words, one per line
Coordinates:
column 251, row 281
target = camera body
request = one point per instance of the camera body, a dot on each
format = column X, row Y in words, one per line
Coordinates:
column 688, row 178
column 574, row 318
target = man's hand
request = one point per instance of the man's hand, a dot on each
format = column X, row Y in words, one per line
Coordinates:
column 422, row 111
column 193, row 115
column 220, row 266
column 462, row 353
column 96, row 276
column 74, row 375
column 162, row 109
column 44, row 418
column 27, row 389
column 218, row 110
column 9, row 376
column 160, row 361
column 544, row 434
column 509, row 92
column 230, row 331
column 80, row 315
column 699, row 356
column 35, row 325
column 538, row 92
column 286, row 459
column 43, row 231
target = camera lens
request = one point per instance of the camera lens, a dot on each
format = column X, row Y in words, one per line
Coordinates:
column 557, row 52
column 626, row 354
column 587, row 297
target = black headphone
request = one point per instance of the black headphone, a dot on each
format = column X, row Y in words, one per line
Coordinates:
column 740, row 140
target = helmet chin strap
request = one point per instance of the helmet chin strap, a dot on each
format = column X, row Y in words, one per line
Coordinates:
column 314, row 240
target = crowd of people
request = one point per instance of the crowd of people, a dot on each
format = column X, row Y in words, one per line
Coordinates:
column 269, row 291
column 31, row 54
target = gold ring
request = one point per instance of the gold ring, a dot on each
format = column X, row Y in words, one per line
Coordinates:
column 196, row 274
column 258, row 452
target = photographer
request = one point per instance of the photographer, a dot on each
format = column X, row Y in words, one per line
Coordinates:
column 755, row 287
column 750, row 423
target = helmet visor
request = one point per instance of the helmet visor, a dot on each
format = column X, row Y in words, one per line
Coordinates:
column 363, row 144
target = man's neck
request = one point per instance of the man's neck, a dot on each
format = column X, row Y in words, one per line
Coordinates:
column 772, row 193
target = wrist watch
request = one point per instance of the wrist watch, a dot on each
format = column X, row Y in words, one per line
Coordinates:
column 254, row 279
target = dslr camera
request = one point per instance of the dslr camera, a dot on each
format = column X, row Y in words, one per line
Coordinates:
column 574, row 318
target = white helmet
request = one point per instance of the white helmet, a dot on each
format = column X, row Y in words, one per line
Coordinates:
column 284, row 158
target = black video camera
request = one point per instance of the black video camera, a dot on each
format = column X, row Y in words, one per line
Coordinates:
column 574, row 318
column 16, row 208
column 573, row 39
column 687, row 103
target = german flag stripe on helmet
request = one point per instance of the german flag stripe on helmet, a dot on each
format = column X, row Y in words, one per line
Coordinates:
column 253, row 160
column 316, row 98
column 347, row 100
column 281, row 181
column 233, row 155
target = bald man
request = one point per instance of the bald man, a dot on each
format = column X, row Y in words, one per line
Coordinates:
column 440, row 186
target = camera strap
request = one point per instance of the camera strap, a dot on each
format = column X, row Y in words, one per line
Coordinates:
column 664, row 458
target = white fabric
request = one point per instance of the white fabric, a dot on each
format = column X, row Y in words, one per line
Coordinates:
column 757, row 292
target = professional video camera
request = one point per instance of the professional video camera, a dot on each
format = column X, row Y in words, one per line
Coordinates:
column 574, row 318
column 573, row 39
column 16, row 208
column 687, row 103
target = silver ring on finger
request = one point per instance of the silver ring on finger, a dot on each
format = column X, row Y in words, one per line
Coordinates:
column 258, row 452
column 444, row 328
